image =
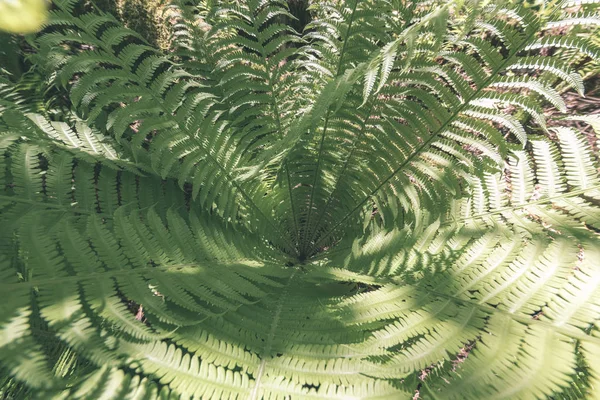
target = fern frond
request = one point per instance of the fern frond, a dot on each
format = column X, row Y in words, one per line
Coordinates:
column 376, row 207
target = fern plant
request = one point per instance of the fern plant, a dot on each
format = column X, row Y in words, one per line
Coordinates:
column 375, row 207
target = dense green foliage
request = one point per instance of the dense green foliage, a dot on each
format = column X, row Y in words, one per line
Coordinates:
column 377, row 207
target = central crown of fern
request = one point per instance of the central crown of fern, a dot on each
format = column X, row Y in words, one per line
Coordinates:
column 377, row 205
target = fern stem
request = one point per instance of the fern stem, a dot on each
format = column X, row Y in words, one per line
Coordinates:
column 96, row 275
column 571, row 332
column 285, row 165
column 269, row 342
column 305, row 243
column 277, row 118
column 567, row 331
column 519, row 206
column 289, row 185
column 344, row 169
column 58, row 207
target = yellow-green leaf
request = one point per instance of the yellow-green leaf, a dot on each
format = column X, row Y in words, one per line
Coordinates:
column 22, row 16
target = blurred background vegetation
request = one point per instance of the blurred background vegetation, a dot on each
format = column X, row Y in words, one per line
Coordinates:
column 150, row 18
column 147, row 17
